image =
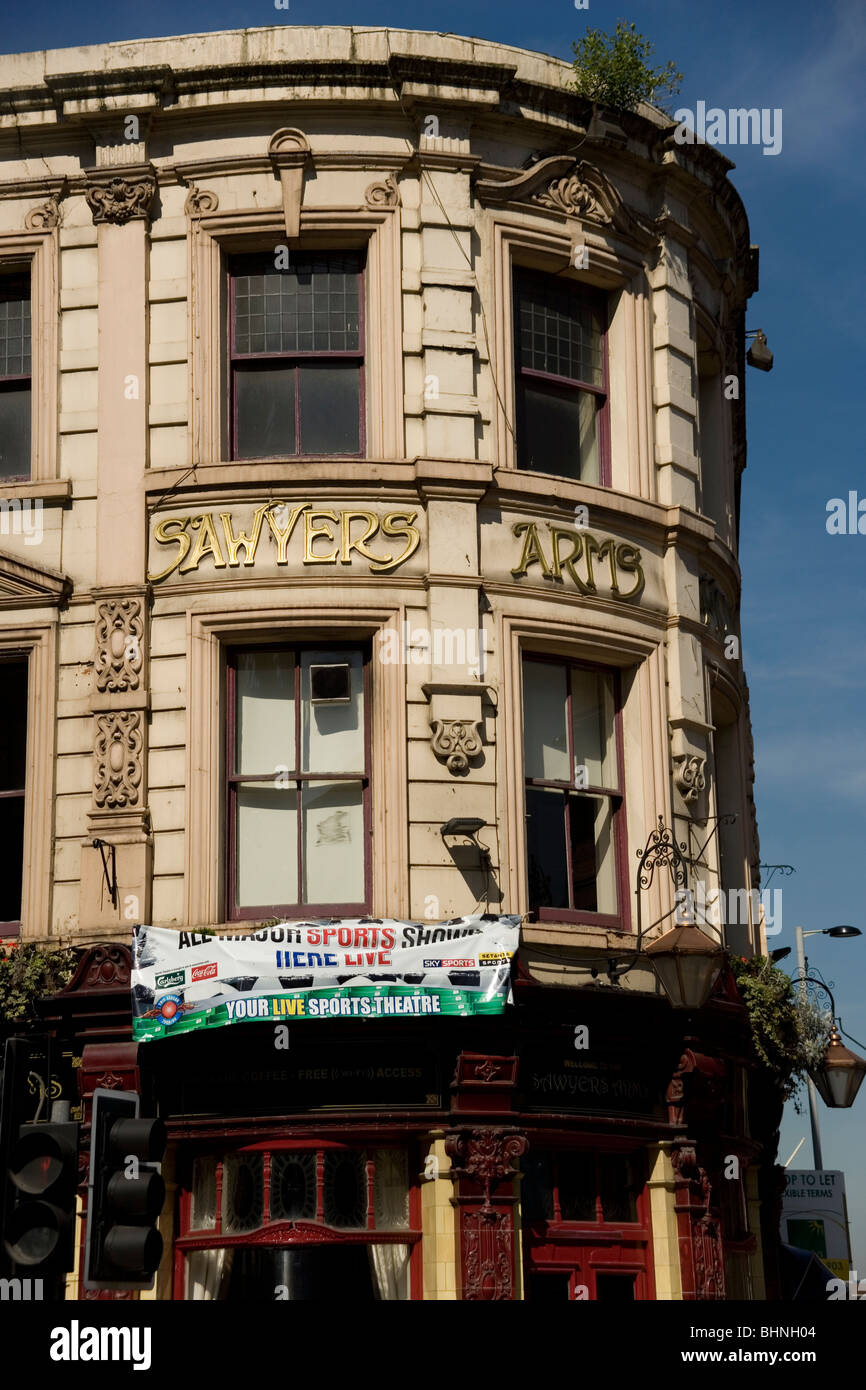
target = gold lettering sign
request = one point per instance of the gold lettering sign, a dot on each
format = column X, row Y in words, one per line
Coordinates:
column 570, row 549
column 326, row 536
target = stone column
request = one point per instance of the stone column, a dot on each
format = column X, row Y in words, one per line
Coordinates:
column 120, row 199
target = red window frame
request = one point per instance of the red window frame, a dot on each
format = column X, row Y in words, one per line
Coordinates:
column 302, row 1233
column 12, row 927
column 597, row 301
column 621, row 919
column 235, row 913
column 264, row 359
column 15, row 284
column 581, row 1250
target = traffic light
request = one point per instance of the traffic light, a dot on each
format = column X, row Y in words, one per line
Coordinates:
column 43, row 1174
column 126, row 1194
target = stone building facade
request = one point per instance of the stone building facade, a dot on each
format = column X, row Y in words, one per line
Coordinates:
column 381, row 355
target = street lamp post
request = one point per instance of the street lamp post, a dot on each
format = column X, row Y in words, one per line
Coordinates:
column 842, row 931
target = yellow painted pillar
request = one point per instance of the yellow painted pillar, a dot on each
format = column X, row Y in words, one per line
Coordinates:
column 663, row 1222
column 439, row 1225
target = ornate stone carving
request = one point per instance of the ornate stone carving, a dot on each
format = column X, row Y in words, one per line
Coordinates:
column 119, row 745
column 384, row 194
column 200, row 201
column 488, row 1256
column 689, row 775
column 119, row 645
column 45, row 217
column 573, row 197
column 485, row 1156
column 119, row 200
column 455, row 741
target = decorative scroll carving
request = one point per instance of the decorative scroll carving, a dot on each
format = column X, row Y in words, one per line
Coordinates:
column 573, row 197
column 455, row 741
column 385, row 194
column 107, row 966
column 524, row 184
column 45, row 217
column 485, row 1156
column 488, row 1256
column 689, row 775
column 119, row 744
column 118, row 200
column 200, row 201
column 119, row 645
column 290, row 151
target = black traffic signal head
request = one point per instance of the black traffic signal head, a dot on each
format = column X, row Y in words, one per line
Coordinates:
column 43, row 1173
column 126, row 1194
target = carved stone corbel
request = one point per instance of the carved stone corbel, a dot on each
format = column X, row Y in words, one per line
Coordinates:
column 46, row 216
column 120, row 198
column 290, row 152
column 455, row 741
column 689, row 760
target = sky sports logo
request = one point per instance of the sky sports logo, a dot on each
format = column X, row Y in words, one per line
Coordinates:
column 76, row 1343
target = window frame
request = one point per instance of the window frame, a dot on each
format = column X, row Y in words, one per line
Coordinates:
column 23, row 273
column 231, row 779
column 298, row 1233
column 12, row 928
column 295, row 359
column 568, row 387
column 617, row 920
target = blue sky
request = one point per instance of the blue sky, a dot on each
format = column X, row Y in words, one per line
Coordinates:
column 804, row 605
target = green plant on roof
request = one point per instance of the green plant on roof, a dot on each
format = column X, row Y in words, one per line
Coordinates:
column 613, row 70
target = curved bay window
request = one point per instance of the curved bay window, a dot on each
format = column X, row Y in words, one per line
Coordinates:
column 575, row 811
column 586, row 1226
column 298, row 787
column 561, row 377
column 298, row 1223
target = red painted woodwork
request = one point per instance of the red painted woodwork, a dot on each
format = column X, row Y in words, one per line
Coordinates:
column 481, row 1161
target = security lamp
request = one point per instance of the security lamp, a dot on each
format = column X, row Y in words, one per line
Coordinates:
column 463, row 825
column 759, row 355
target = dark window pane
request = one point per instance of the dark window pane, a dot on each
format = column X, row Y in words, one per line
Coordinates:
column 13, row 718
column 556, row 430
column 547, row 1288
column 310, row 306
column 302, row 1274
column 345, row 1190
column 558, row 329
column 12, row 840
column 576, row 1176
column 536, row 1187
column 265, row 411
column 15, row 432
column 614, row 1288
column 330, row 408
column 617, row 1188
column 582, row 815
column 545, row 847
column 15, row 325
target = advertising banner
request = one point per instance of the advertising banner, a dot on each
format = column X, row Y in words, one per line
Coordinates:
column 348, row 968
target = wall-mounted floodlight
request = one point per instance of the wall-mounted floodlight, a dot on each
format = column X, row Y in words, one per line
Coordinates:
column 759, row 355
